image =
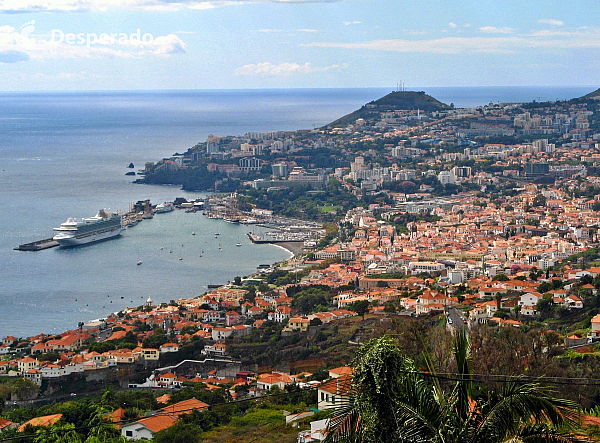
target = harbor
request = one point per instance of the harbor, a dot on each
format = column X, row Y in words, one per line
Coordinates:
column 295, row 235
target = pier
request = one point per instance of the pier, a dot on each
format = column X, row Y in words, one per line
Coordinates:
column 37, row 245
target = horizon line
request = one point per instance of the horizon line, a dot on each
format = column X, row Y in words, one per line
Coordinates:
column 410, row 89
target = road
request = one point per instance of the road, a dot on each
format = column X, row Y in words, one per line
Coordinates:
column 455, row 318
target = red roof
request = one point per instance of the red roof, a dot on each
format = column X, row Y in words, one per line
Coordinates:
column 184, row 407
column 157, row 423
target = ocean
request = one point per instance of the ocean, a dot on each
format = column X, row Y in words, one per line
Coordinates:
column 64, row 154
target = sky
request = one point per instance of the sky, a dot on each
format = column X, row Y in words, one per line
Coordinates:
column 236, row 44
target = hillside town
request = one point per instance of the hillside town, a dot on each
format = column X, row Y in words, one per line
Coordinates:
column 482, row 219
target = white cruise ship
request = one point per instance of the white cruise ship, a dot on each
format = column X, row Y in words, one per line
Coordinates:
column 164, row 207
column 103, row 226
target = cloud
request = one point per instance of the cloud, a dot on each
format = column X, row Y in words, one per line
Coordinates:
column 282, row 69
column 495, row 30
column 308, row 30
column 453, row 25
column 30, row 6
column 458, row 45
column 354, row 22
column 166, row 45
column 551, row 21
column 10, row 56
column 6, row 29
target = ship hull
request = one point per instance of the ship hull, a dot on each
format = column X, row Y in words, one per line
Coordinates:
column 67, row 241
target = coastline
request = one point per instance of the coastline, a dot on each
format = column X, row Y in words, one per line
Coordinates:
column 295, row 248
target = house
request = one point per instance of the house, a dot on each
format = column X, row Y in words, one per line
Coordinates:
column 66, row 343
column 233, row 318
column 150, row 353
column 589, row 289
column 6, row 424
column 147, row 427
column 9, row 340
column 432, row 301
column 167, row 380
column 267, row 381
column 529, row 299
column 332, row 393
column 340, row 371
column 221, row 333
column 298, row 324
column 184, row 407
column 528, row 310
column 40, row 348
column 574, row 301
column 118, row 356
column 169, row 347
column 216, row 349
column 594, row 333
column 44, row 421
column 254, row 311
column 26, row 364
column 281, row 313
column 317, row 432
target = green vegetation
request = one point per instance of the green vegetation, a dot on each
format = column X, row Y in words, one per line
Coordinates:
column 392, row 402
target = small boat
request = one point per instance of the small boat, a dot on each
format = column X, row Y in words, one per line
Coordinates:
column 238, row 244
column 139, row 262
column 180, row 258
column 193, row 233
column 161, row 248
column 217, row 233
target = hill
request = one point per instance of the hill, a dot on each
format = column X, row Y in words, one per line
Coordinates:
column 592, row 95
column 397, row 100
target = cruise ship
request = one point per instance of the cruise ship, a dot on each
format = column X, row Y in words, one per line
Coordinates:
column 164, row 207
column 103, row 226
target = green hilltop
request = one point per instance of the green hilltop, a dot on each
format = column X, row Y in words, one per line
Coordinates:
column 397, row 100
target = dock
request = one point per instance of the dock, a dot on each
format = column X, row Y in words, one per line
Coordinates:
column 39, row 245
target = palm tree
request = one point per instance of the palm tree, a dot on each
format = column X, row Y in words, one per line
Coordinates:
column 393, row 402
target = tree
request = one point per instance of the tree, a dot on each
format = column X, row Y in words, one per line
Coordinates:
column 24, row 389
column 178, row 433
column 157, row 339
column 391, row 401
column 309, row 299
column 500, row 277
column 237, row 281
column 315, row 322
column 539, row 200
column 263, row 288
column 361, row 307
